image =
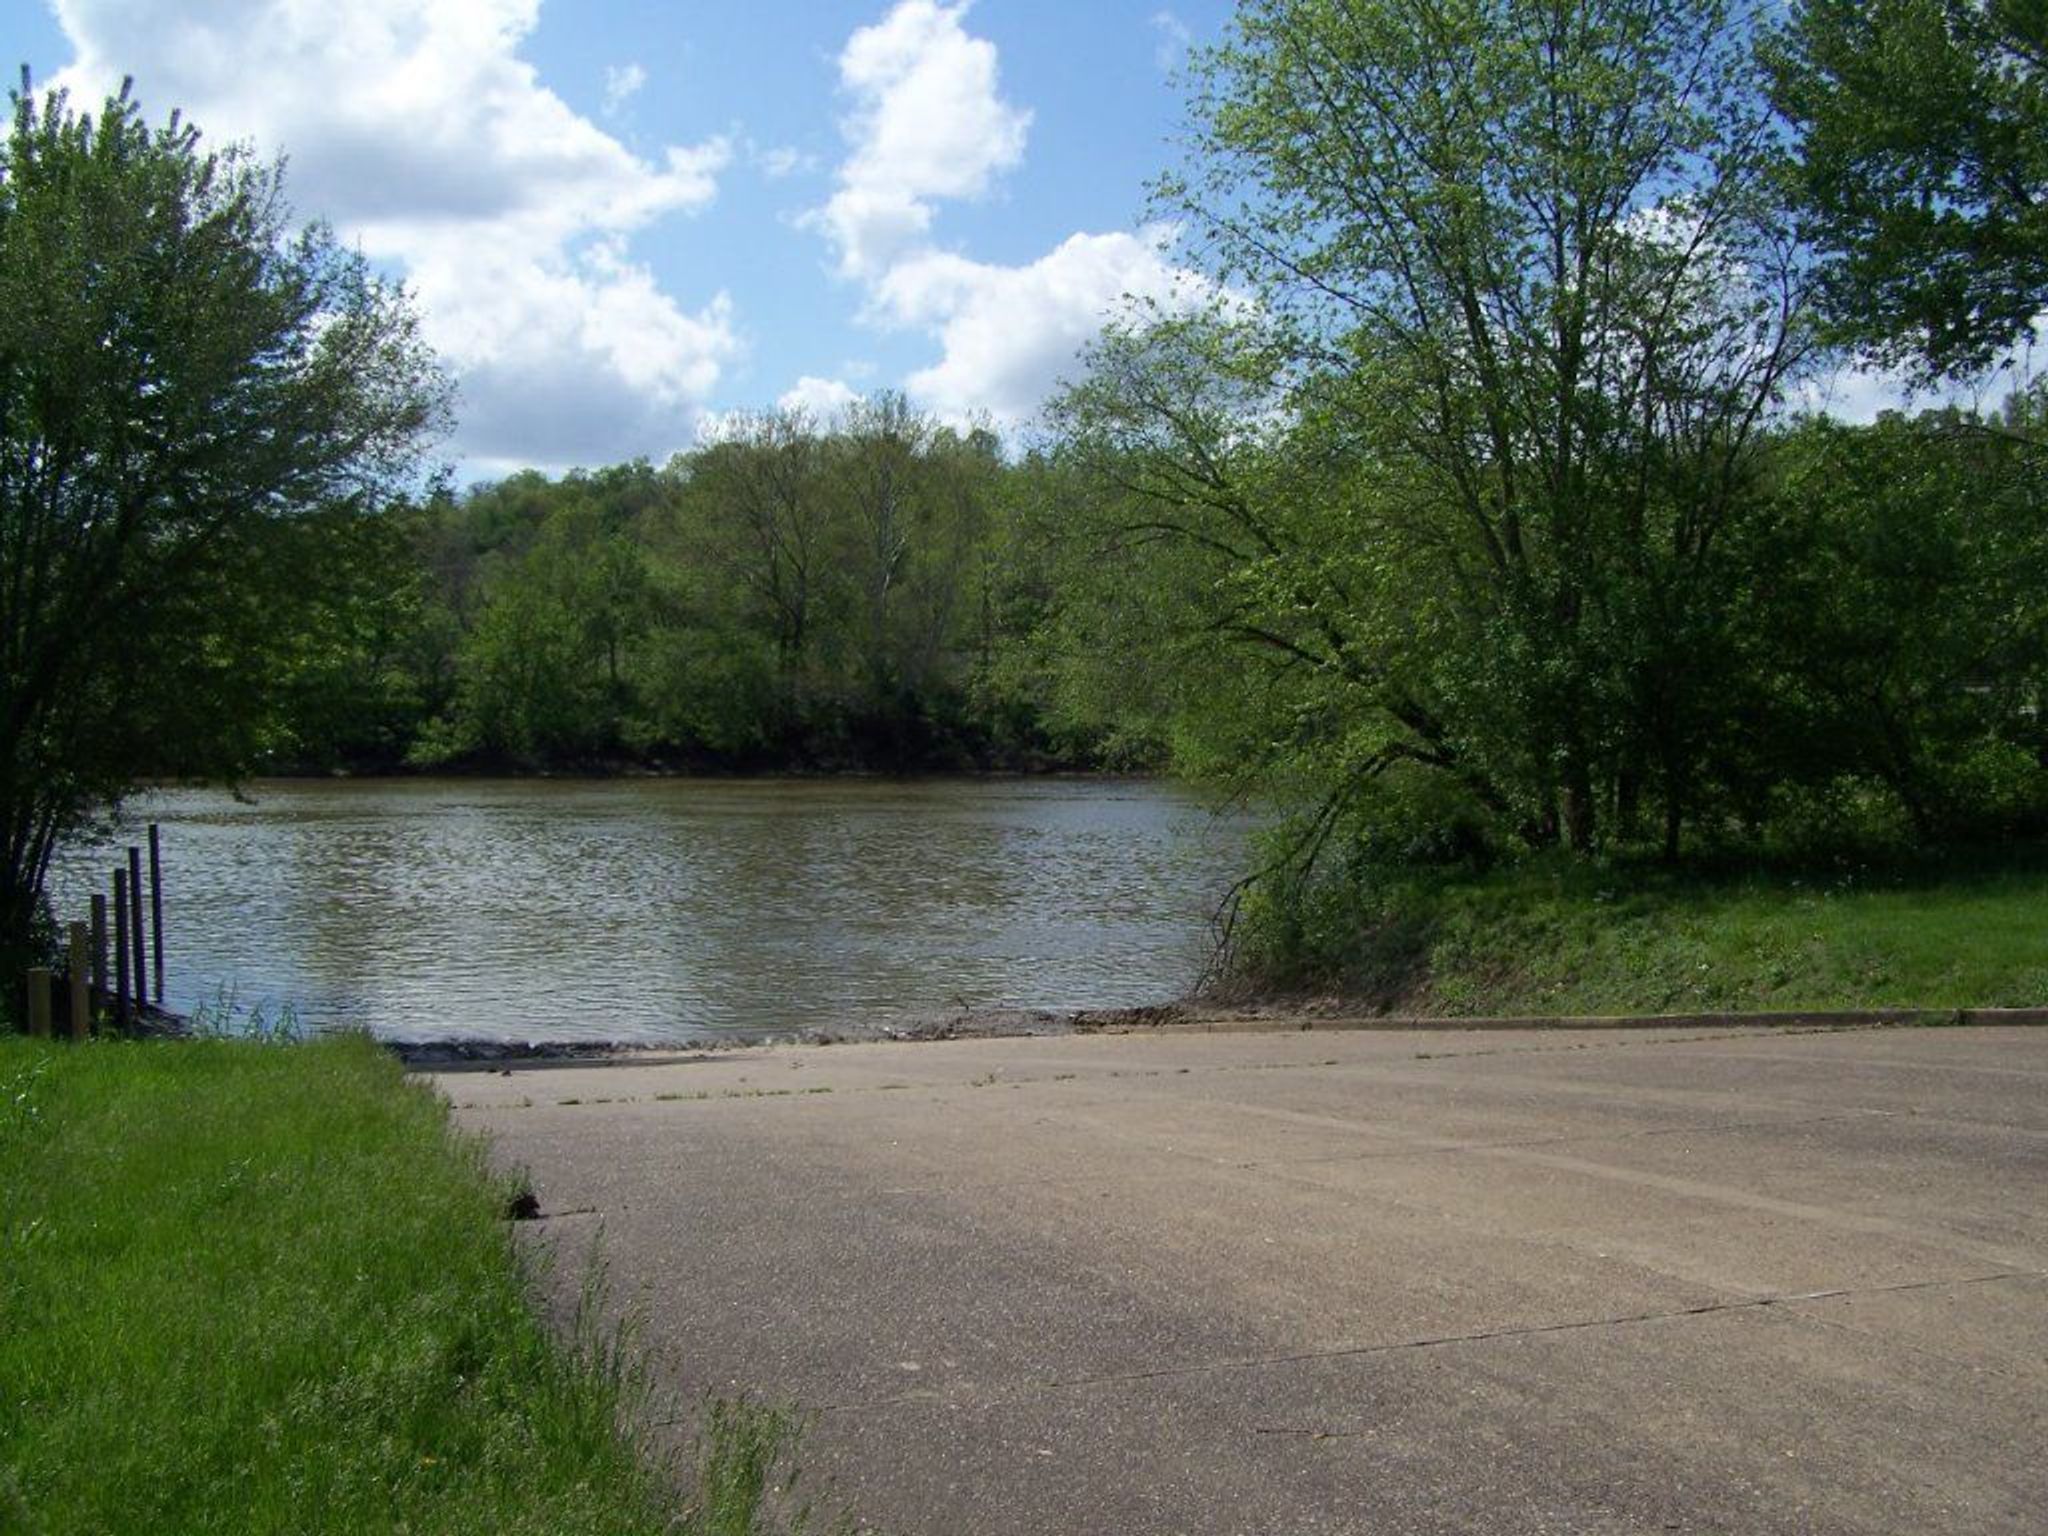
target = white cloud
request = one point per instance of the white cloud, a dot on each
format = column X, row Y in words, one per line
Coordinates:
column 1854, row 393
column 784, row 160
column 622, row 82
column 416, row 128
column 1010, row 335
column 1171, row 50
column 928, row 122
column 824, row 399
column 583, row 362
column 1860, row 392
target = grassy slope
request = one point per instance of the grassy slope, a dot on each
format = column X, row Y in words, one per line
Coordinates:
column 255, row 1288
column 1558, row 938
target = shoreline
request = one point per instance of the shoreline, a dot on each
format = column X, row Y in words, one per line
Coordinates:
column 974, row 1024
column 476, row 1054
column 601, row 773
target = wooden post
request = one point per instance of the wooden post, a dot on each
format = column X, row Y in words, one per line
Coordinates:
column 81, row 991
column 39, row 1000
column 135, row 935
column 121, row 950
column 156, row 907
column 99, row 947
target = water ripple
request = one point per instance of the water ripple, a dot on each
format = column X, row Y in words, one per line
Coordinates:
column 665, row 910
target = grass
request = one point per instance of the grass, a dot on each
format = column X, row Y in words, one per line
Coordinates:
column 1550, row 937
column 263, row 1288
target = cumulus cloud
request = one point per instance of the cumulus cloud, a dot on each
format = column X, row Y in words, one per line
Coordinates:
column 1855, row 393
column 417, row 129
column 824, row 399
column 1010, row 335
column 928, row 122
column 1859, row 392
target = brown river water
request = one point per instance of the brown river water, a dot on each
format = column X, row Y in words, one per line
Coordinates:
column 671, row 910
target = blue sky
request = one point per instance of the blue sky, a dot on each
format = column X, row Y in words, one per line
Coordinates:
column 622, row 220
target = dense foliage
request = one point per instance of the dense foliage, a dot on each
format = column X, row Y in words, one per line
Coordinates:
column 789, row 596
column 198, row 404
column 1922, row 168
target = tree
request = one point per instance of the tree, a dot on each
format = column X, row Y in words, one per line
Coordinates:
column 361, row 663
column 1922, row 169
column 755, row 511
column 185, row 382
column 1904, row 625
column 544, row 670
column 911, row 498
column 1508, row 306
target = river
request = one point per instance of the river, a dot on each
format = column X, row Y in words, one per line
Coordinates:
column 671, row 910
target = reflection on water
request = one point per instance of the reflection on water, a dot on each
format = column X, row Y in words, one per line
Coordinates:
column 663, row 909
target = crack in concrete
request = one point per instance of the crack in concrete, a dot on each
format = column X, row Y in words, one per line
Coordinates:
column 1443, row 1341
column 1626, row 1038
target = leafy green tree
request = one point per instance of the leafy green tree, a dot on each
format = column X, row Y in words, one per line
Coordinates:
column 1043, row 695
column 185, row 382
column 1922, row 168
column 365, row 660
column 911, row 499
column 546, row 666
column 782, row 595
column 1903, row 622
column 754, row 515
column 1508, row 305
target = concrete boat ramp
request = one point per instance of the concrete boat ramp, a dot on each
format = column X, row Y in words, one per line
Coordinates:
column 1372, row 1283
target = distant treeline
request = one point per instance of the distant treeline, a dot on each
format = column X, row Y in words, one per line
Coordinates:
column 854, row 596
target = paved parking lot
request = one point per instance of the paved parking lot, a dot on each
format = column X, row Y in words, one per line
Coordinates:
column 1367, row 1282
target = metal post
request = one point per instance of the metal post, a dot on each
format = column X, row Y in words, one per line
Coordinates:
column 121, row 950
column 39, row 1000
column 81, row 994
column 156, row 907
column 135, row 926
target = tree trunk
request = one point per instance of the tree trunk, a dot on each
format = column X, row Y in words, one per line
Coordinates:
column 1628, row 806
column 1581, row 814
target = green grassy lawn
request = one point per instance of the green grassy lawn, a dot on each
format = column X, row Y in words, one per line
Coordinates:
column 249, row 1288
column 1557, row 937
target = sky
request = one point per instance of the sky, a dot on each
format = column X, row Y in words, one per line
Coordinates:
column 621, row 221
